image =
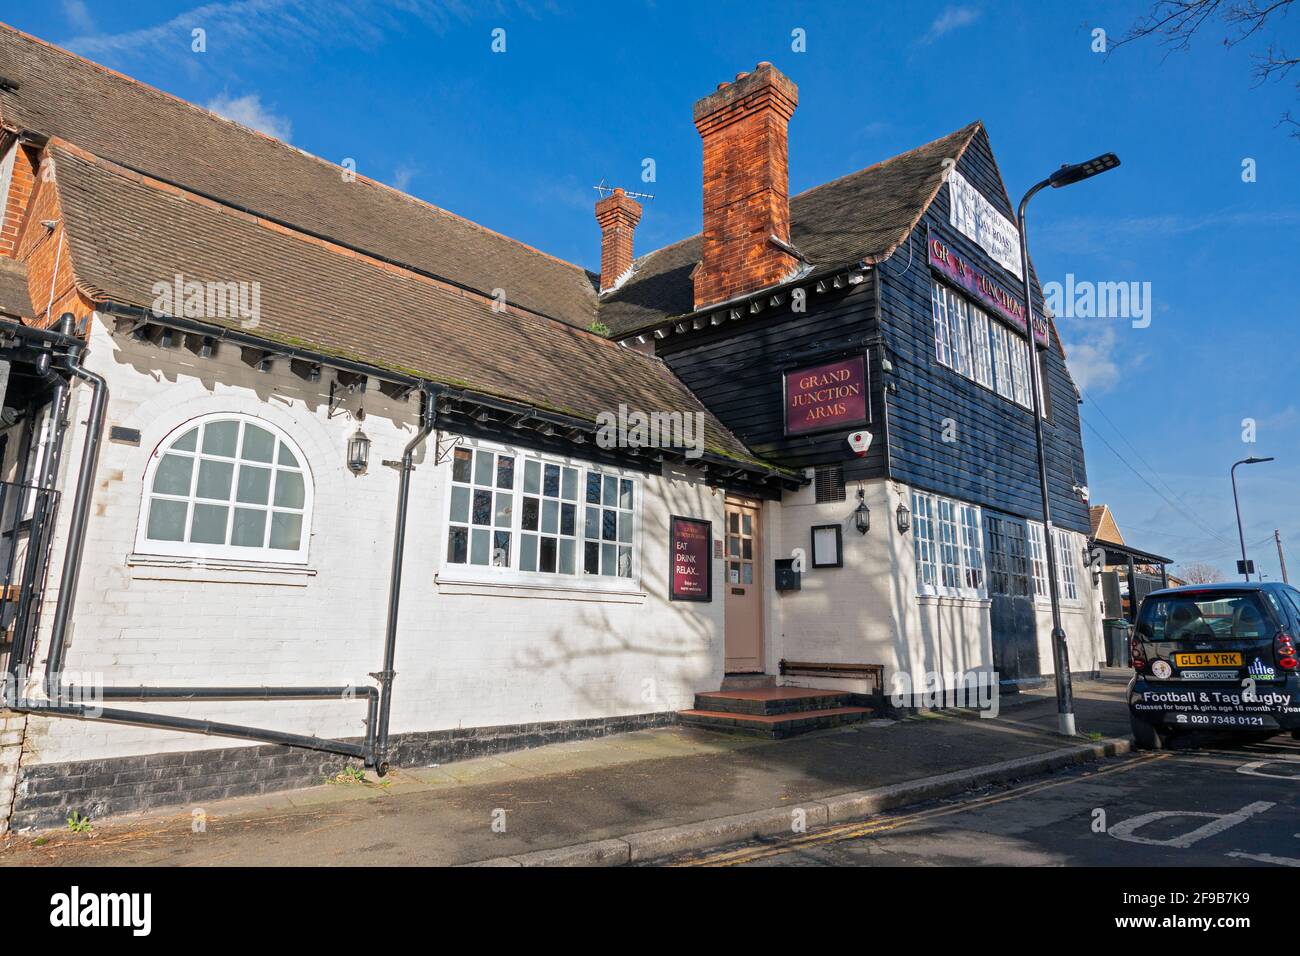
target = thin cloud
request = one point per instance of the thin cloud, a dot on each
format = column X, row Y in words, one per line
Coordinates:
column 249, row 111
column 952, row 18
column 1093, row 360
column 270, row 27
column 78, row 16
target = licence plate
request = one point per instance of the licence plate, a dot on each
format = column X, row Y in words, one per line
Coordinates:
column 1216, row 659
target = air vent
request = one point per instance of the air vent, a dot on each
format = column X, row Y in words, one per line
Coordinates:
column 829, row 483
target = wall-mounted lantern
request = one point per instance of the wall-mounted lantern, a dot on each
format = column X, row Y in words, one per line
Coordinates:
column 862, row 514
column 904, row 518
column 358, row 452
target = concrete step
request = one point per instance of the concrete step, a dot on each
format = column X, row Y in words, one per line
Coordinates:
column 748, row 681
column 773, row 726
column 767, row 701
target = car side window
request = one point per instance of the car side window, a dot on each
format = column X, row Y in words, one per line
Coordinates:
column 1293, row 597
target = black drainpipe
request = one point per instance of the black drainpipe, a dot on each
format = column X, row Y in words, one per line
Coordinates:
column 80, row 512
column 428, row 421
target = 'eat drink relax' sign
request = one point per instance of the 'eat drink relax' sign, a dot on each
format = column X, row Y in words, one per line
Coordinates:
column 821, row 397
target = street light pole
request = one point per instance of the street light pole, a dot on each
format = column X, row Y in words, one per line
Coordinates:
column 1241, row 535
column 1064, row 176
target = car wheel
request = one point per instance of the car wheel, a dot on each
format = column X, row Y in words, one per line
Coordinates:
column 1147, row 736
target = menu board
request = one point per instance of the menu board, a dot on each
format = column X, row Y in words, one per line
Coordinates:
column 690, row 571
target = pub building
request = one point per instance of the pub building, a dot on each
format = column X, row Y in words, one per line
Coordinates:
column 300, row 470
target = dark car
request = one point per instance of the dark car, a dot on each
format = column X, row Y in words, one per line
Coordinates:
column 1218, row 657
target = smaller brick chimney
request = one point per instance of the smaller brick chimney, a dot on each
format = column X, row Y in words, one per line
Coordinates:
column 618, row 215
column 746, row 184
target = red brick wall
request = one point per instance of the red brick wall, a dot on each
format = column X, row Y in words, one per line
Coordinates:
column 44, row 251
column 20, row 190
column 746, row 184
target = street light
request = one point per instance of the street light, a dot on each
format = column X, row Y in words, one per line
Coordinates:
column 1065, row 176
column 1241, row 535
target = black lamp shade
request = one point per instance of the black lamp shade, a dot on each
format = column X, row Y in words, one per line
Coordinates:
column 904, row 518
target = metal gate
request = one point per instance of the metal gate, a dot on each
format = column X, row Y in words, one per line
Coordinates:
column 27, row 516
column 1011, row 611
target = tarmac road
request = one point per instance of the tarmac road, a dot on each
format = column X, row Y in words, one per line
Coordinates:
column 1219, row 803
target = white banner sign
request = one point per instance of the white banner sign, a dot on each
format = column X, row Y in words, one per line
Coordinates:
column 975, row 217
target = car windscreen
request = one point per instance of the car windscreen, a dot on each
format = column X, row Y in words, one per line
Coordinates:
column 1206, row 616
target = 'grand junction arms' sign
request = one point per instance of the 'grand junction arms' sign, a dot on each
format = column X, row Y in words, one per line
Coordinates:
column 986, row 291
column 822, row 397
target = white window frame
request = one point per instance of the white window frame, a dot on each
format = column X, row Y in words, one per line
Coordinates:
column 939, row 525
column 1002, row 362
column 1038, row 560
column 264, row 555
column 1020, row 374
column 959, row 319
column 981, row 355
column 942, row 339
column 453, row 572
column 1067, row 578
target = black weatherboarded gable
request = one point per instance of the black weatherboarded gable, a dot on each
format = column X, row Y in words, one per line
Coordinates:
column 992, row 462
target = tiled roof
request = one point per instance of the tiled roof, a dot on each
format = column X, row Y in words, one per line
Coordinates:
column 62, row 95
column 863, row 216
column 15, row 301
column 126, row 233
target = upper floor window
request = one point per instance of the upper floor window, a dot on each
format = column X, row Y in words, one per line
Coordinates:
column 227, row 486
column 984, row 351
column 517, row 512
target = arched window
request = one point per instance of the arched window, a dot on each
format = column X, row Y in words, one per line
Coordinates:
column 228, row 486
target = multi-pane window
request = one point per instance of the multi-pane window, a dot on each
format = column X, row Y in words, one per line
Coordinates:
column 1020, row 370
column 526, row 514
column 984, row 351
column 1038, row 558
column 481, row 520
column 949, row 550
column 923, row 541
column 1002, row 361
column 980, row 354
column 972, row 547
column 1067, row 581
column 948, row 546
column 607, row 549
column 227, row 486
column 942, row 338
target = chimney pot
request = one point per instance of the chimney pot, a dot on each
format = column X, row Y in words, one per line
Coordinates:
column 617, row 215
column 743, row 126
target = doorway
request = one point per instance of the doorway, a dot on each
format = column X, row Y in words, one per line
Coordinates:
column 744, row 583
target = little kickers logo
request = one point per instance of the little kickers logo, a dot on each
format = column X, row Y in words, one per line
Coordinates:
column 76, row 909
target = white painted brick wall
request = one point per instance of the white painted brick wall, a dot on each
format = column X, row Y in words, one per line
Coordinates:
column 462, row 659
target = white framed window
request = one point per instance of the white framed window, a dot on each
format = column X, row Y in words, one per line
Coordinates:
column 949, row 549
column 227, row 486
column 1002, row 361
column 1067, row 577
column 972, row 543
column 516, row 514
column 942, row 336
column 980, row 354
column 1020, row 370
column 1038, row 559
column 948, row 546
column 923, row 542
column 959, row 325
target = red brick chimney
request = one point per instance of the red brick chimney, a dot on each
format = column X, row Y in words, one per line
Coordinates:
column 746, row 184
column 618, row 215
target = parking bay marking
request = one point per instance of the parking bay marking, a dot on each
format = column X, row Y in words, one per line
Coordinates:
column 851, row 831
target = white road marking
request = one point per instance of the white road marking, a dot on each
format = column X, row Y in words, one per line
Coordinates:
column 1265, row 858
column 1252, row 768
column 1219, row 822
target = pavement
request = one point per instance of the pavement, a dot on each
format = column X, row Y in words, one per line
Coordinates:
column 1220, row 803
column 632, row 797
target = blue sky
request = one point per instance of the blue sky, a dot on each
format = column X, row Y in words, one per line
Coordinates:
column 583, row 92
